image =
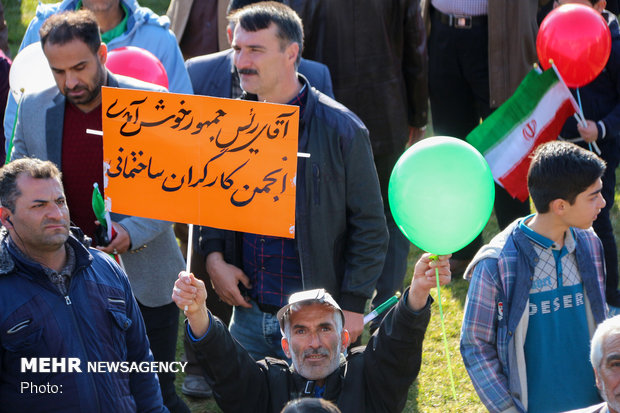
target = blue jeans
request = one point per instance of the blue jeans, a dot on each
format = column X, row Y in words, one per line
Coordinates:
column 258, row 332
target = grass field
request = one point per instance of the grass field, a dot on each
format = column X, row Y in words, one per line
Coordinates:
column 432, row 391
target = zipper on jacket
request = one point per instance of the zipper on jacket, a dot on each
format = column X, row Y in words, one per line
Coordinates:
column 83, row 347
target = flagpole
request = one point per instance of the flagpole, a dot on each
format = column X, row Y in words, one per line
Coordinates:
column 579, row 115
column 188, row 260
column 10, row 145
column 583, row 118
column 584, row 124
column 190, row 241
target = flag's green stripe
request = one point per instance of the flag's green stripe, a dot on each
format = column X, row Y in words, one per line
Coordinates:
column 514, row 112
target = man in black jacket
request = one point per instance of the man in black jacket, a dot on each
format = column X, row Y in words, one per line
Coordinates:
column 215, row 75
column 371, row 379
column 340, row 232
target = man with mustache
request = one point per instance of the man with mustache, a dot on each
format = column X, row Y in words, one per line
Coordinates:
column 215, row 75
column 64, row 301
column 52, row 126
column 340, row 232
column 371, row 379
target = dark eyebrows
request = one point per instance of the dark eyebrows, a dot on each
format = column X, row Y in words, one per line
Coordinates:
column 321, row 325
column 83, row 62
column 235, row 46
column 594, row 193
column 44, row 201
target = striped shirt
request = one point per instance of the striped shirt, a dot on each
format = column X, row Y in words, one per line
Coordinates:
column 462, row 7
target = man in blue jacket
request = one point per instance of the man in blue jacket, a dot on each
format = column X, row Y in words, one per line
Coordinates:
column 64, row 302
column 123, row 23
column 52, row 126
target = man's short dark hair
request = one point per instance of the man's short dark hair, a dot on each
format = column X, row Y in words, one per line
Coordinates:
column 35, row 168
column 561, row 170
column 62, row 28
column 261, row 15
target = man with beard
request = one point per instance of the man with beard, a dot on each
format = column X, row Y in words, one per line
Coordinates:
column 605, row 359
column 62, row 301
column 371, row 379
column 52, row 126
column 122, row 23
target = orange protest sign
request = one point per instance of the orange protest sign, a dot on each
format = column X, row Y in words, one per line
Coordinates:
column 223, row 163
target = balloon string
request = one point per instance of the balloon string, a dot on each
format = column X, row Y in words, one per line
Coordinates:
column 443, row 331
column 10, row 149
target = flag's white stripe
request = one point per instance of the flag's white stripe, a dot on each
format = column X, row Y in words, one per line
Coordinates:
column 513, row 147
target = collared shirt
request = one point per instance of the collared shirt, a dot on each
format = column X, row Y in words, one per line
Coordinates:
column 554, row 263
column 272, row 263
column 557, row 329
column 60, row 279
column 487, row 338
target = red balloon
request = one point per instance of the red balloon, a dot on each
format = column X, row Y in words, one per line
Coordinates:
column 137, row 63
column 577, row 39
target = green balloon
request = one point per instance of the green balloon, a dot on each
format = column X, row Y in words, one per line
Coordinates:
column 441, row 194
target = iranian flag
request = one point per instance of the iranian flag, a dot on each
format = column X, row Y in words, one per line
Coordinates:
column 533, row 115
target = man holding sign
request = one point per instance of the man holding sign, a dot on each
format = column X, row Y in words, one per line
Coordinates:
column 341, row 236
column 52, row 126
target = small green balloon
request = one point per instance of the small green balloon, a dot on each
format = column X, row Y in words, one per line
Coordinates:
column 441, row 194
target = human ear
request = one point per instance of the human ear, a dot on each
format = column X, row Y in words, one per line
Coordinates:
column 346, row 339
column 5, row 217
column 229, row 33
column 292, row 51
column 102, row 53
column 598, row 380
column 285, row 347
column 558, row 206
